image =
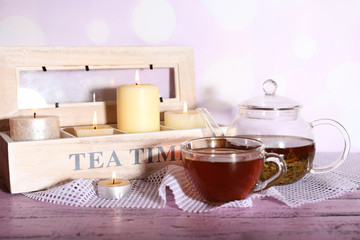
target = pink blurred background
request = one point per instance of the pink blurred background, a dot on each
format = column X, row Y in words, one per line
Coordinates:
column 310, row 48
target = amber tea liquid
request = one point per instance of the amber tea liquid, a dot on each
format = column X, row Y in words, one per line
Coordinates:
column 222, row 180
column 297, row 152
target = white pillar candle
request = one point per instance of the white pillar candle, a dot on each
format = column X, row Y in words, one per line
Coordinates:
column 138, row 107
column 113, row 188
column 185, row 119
column 30, row 128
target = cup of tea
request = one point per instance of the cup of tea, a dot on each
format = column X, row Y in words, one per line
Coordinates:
column 223, row 169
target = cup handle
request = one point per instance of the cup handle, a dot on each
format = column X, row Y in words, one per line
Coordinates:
column 276, row 158
column 347, row 143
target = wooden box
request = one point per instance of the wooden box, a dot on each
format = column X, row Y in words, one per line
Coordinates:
column 34, row 165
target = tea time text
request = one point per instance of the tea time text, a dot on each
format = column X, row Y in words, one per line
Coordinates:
column 95, row 160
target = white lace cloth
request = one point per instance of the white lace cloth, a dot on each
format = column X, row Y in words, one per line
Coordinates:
column 151, row 192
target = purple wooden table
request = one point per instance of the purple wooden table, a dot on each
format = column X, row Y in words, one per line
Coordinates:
column 24, row 218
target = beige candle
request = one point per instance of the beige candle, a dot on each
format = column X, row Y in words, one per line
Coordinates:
column 138, row 107
column 94, row 130
column 30, row 128
column 89, row 131
column 185, row 119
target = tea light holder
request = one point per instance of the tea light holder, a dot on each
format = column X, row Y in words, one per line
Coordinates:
column 114, row 188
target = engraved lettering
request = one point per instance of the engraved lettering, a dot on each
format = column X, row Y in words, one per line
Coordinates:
column 137, row 154
column 114, row 158
column 95, row 159
column 150, row 155
column 164, row 155
column 77, row 160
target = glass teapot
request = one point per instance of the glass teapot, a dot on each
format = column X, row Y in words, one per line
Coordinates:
column 276, row 121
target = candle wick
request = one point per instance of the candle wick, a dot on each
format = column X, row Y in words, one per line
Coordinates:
column 136, row 83
column 94, row 128
column 113, row 181
column 34, row 115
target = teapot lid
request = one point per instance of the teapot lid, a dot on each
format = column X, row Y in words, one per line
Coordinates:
column 270, row 101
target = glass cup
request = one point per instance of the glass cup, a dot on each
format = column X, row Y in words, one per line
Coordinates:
column 223, row 169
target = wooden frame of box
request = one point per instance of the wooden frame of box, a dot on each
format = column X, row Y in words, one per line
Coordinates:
column 34, row 165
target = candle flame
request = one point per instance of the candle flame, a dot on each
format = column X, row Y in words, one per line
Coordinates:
column 137, row 77
column 113, row 177
column 185, row 111
column 95, row 120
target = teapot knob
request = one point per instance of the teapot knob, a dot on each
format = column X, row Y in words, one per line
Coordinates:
column 269, row 87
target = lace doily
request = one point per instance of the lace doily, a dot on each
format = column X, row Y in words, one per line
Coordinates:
column 151, row 192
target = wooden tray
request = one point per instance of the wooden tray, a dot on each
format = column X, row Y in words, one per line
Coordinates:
column 35, row 165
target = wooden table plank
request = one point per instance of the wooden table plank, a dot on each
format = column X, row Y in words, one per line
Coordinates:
column 25, row 218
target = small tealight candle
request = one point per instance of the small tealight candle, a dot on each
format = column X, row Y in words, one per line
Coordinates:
column 114, row 188
column 185, row 119
column 94, row 130
column 30, row 128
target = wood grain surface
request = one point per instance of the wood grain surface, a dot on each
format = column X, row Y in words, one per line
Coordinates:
column 24, row 218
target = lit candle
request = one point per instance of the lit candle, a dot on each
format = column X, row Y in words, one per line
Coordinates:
column 185, row 119
column 94, row 130
column 114, row 188
column 29, row 128
column 138, row 107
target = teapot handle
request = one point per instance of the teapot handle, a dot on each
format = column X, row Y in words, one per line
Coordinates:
column 346, row 137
